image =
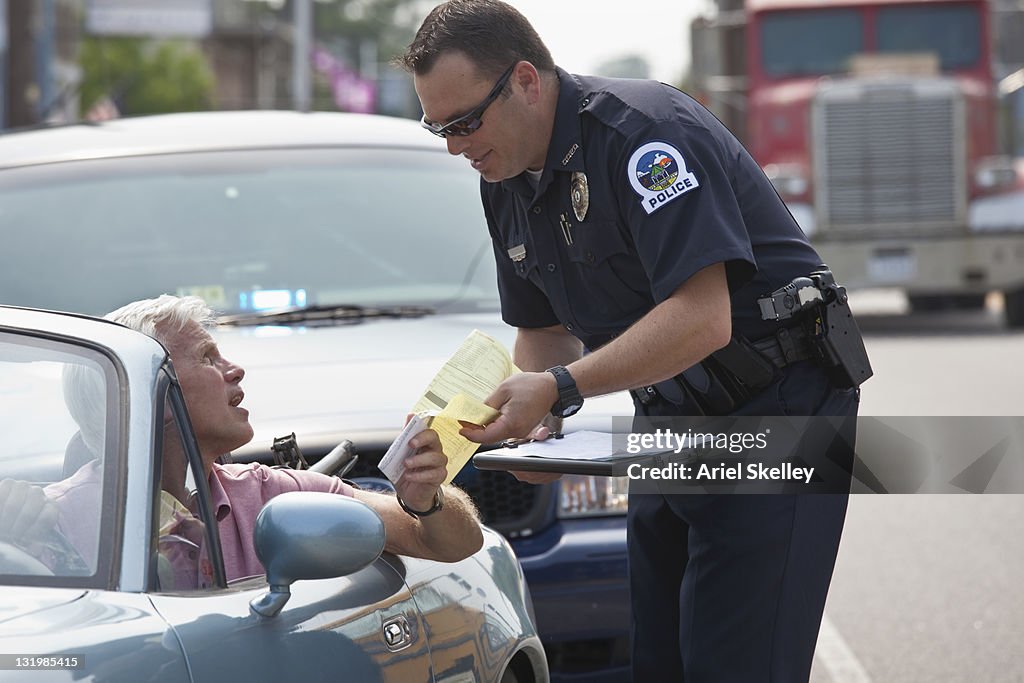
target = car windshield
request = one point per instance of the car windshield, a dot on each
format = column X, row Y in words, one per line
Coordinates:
column 248, row 230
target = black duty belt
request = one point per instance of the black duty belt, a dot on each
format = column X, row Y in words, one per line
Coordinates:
column 787, row 345
column 730, row 376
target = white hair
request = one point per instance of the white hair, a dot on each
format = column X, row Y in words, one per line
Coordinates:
column 85, row 395
column 85, row 387
column 145, row 315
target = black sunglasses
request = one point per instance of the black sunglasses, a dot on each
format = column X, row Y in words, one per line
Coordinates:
column 469, row 122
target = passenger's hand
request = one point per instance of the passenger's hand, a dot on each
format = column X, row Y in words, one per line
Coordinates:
column 26, row 513
column 523, row 400
column 425, row 470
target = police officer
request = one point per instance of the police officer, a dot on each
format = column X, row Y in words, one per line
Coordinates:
column 627, row 221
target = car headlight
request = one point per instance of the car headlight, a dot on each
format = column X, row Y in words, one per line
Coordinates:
column 586, row 496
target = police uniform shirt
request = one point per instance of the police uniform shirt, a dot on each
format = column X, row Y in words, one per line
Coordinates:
column 671, row 191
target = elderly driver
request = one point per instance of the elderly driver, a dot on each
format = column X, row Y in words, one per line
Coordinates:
column 434, row 525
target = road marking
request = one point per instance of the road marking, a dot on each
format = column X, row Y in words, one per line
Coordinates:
column 836, row 656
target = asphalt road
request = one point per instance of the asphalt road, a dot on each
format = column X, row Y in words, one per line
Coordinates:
column 930, row 588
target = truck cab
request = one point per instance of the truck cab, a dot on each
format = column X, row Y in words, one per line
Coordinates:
column 876, row 122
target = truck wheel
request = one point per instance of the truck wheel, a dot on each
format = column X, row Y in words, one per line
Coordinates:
column 927, row 303
column 1013, row 308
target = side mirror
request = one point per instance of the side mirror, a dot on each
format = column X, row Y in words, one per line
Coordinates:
column 307, row 535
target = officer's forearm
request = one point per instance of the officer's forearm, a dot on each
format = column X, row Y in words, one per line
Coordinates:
column 540, row 348
column 676, row 334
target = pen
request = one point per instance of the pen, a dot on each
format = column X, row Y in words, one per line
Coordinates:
column 515, row 443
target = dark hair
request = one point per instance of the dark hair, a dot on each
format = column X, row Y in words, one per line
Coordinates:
column 492, row 34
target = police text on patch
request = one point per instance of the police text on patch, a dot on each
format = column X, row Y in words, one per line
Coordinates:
column 658, row 174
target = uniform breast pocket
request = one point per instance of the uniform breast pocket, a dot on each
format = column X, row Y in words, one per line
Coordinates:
column 607, row 266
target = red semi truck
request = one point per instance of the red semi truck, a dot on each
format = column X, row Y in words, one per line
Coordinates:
column 877, row 123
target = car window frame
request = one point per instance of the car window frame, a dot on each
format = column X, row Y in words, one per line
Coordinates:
column 168, row 387
column 115, row 457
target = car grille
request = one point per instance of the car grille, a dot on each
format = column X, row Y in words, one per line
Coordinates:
column 503, row 501
column 889, row 158
column 505, row 504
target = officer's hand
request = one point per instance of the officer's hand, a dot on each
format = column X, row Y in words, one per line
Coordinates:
column 523, row 400
column 26, row 513
column 425, row 470
column 549, row 426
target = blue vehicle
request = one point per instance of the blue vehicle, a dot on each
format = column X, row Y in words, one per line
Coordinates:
column 373, row 238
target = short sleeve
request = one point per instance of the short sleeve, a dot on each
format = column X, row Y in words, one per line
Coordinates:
column 682, row 207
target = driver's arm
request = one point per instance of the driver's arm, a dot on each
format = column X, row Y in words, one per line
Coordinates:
column 448, row 535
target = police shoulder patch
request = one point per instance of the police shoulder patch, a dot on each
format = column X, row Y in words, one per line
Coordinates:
column 658, row 174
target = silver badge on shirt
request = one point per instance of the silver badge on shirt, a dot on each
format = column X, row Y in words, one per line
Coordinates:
column 580, row 195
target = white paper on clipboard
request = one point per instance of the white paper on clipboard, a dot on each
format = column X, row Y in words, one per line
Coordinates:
column 582, row 445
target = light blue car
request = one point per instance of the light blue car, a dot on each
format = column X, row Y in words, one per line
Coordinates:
column 97, row 601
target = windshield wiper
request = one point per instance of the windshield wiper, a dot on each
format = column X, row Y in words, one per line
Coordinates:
column 324, row 313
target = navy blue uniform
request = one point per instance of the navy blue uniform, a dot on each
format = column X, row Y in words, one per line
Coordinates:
column 671, row 191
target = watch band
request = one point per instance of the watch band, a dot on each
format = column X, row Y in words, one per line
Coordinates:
column 569, row 399
column 437, row 505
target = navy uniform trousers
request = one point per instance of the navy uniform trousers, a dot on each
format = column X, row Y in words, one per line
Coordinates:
column 730, row 588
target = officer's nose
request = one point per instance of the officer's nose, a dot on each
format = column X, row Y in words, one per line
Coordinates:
column 457, row 144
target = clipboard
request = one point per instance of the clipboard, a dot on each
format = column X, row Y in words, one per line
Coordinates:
column 611, row 466
column 594, row 455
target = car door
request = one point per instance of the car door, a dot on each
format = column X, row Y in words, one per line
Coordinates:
column 363, row 627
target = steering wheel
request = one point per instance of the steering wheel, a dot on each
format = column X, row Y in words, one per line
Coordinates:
column 66, row 560
column 14, row 560
column 69, row 562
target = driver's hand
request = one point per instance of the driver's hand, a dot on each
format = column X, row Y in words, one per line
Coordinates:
column 26, row 514
column 425, row 471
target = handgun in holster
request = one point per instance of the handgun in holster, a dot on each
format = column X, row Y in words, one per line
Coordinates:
column 822, row 310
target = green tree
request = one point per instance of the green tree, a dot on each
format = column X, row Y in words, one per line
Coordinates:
column 145, row 76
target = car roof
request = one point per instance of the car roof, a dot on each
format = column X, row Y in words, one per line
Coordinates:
column 209, row 131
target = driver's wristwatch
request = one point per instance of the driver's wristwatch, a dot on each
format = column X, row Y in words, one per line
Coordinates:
column 437, row 505
column 569, row 399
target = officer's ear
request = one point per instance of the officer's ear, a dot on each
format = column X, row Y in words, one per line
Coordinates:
column 528, row 79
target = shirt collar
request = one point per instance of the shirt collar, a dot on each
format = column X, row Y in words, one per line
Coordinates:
column 565, row 152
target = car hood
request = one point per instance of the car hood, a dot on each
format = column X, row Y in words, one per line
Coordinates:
column 18, row 603
column 352, row 380
column 344, row 380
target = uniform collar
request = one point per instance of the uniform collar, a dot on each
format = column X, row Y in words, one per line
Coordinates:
column 565, row 152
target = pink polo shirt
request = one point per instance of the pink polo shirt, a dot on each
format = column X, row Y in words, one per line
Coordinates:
column 238, row 492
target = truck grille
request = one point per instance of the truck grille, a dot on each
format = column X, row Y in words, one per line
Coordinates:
column 889, row 158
